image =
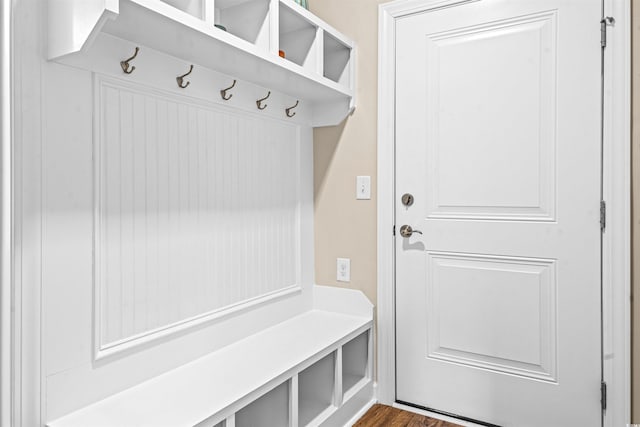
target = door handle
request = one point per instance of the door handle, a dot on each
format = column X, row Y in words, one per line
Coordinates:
column 407, row 231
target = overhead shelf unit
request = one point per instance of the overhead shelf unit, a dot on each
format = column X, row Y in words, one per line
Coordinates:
column 318, row 68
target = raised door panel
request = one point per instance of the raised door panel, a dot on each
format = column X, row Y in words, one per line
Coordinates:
column 497, row 313
column 492, row 160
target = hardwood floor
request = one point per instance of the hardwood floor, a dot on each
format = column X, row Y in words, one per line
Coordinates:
column 386, row 416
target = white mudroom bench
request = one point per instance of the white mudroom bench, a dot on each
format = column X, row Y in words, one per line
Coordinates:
column 313, row 369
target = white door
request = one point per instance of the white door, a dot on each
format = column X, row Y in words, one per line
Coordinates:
column 498, row 141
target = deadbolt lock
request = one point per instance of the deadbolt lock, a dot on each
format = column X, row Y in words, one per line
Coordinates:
column 407, row 199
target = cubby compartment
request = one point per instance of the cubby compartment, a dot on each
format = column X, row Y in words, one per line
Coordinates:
column 298, row 38
column 316, row 389
column 270, row 410
column 355, row 359
column 246, row 19
column 192, row 7
column 337, row 58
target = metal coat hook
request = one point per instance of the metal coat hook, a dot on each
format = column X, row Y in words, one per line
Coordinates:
column 125, row 64
column 180, row 79
column 288, row 110
column 223, row 92
column 259, row 102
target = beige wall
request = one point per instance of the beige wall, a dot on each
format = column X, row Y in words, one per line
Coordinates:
column 635, row 149
column 345, row 227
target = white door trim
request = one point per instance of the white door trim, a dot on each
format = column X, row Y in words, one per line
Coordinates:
column 617, row 193
column 6, row 184
column 617, row 235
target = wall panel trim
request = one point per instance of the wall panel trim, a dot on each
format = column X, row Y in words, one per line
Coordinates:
column 230, row 177
column 103, row 352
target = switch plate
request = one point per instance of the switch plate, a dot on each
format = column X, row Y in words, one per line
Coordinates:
column 363, row 187
column 343, row 273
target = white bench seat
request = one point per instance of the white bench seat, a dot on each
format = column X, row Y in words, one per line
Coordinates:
column 212, row 388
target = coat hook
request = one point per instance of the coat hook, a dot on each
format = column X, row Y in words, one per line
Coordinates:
column 180, row 79
column 259, row 102
column 223, row 92
column 288, row 110
column 125, row 64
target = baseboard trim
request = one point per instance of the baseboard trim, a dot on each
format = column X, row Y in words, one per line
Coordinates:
column 361, row 413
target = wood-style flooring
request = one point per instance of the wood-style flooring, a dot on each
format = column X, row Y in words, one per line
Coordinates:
column 386, row 416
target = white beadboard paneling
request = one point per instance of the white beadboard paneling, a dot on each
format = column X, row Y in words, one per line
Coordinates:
column 197, row 212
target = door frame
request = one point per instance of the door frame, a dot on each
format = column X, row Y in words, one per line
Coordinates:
column 6, row 219
column 616, row 254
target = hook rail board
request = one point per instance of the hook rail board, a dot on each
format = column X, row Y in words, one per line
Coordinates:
column 318, row 67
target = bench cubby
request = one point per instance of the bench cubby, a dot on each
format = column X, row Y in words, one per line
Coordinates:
column 355, row 357
column 316, row 390
column 269, row 410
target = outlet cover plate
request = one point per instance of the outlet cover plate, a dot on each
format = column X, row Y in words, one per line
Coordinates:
column 343, row 270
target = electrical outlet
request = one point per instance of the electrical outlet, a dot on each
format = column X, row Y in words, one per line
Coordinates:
column 363, row 187
column 343, row 270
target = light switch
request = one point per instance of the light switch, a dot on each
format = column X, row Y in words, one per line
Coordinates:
column 343, row 270
column 363, row 187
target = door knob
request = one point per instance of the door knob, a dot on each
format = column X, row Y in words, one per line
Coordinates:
column 407, row 231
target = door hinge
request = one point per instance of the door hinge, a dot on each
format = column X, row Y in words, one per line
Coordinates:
column 603, row 395
column 604, row 23
column 394, row 230
column 603, row 214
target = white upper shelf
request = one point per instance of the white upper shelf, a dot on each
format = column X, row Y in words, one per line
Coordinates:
column 322, row 76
